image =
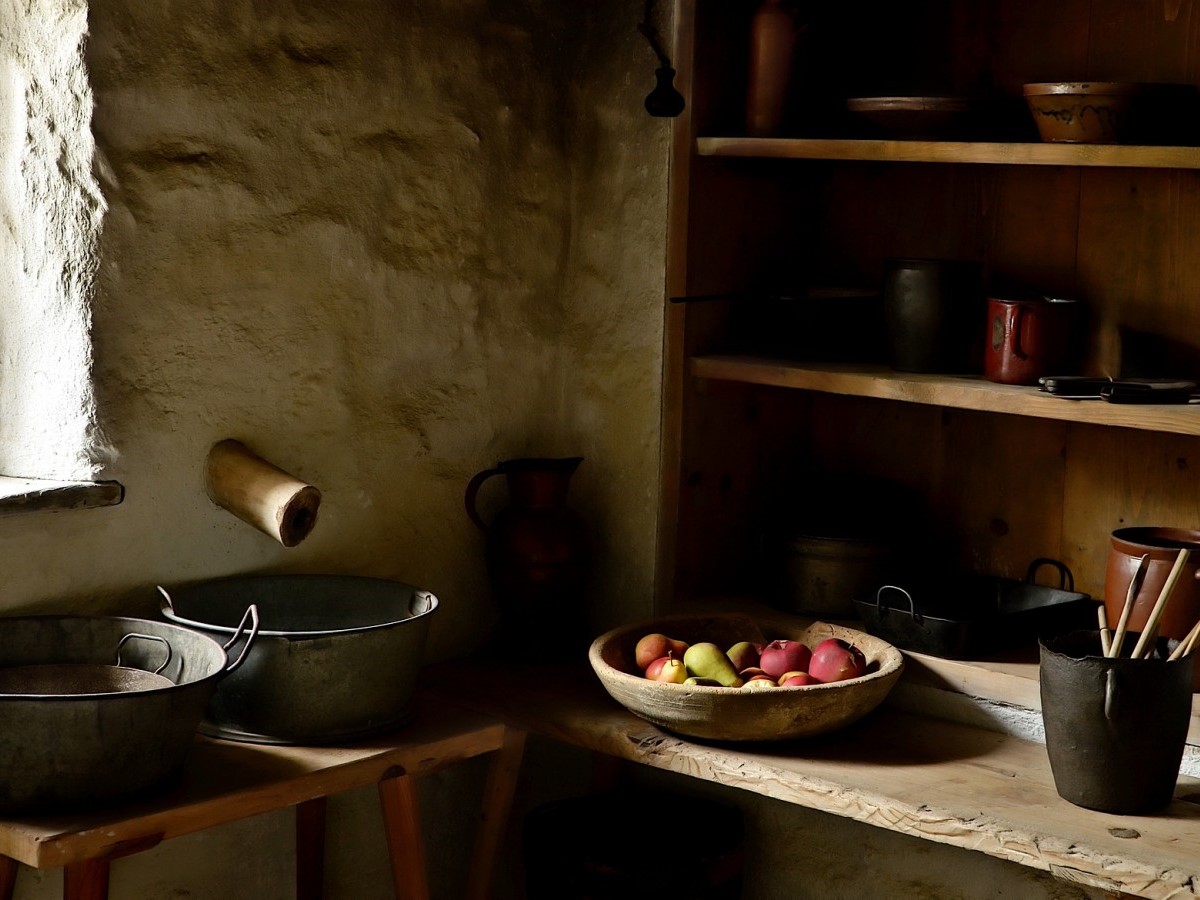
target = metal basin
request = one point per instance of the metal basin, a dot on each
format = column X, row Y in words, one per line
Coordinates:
column 336, row 658
column 64, row 750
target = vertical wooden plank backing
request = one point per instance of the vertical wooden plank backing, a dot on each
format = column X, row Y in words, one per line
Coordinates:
column 982, row 493
column 1138, row 269
column 1119, row 477
column 1144, row 40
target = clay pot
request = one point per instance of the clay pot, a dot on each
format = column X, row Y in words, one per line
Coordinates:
column 1162, row 546
column 537, row 552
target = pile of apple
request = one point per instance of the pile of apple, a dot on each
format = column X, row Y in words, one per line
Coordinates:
column 781, row 663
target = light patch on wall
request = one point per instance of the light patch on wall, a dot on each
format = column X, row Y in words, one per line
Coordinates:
column 51, row 210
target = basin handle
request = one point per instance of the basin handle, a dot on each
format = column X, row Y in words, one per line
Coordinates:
column 167, row 603
column 146, row 637
column 251, row 613
column 421, row 603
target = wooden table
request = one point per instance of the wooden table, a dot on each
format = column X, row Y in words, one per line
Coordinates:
column 225, row 781
column 932, row 779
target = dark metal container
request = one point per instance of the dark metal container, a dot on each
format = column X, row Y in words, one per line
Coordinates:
column 971, row 617
column 336, row 658
column 934, row 312
column 1115, row 728
column 66, row 751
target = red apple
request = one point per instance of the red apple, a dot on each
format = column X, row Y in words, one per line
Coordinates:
column 784, row 656
column 858, row 654
column 798, row 679
column 749, row 673
column 668, row 669
column 832, row 661
column 655, row 646
column 761, row 678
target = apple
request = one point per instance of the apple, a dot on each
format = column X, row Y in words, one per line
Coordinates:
column 742, row 655
column 749, row 673
column 655, row 646
column 668, row 669
column 835, row 661
column 761, row 678
column 784, row 656
column 858, row 654
column 759, row 684
column 797, row 679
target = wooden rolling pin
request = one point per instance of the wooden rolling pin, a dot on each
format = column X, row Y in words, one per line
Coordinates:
column 257, row 492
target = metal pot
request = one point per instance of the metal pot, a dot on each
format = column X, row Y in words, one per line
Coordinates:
column 823, row 576
column 62, row 750
column 336, row 659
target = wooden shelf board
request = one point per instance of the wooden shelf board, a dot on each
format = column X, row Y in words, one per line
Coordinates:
column 957, row 392
column 936, row 780
column 984, row 152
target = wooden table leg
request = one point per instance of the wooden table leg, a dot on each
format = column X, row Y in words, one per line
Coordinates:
column 87, row 880
column 402, row 824
column 494, row 815
column 310, row 849
column 8, row 877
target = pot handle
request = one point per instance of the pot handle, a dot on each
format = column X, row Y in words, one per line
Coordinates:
column 473, row 487
column 251, row 613
column 146, row 637
column 1066, row 580
column 912, row 607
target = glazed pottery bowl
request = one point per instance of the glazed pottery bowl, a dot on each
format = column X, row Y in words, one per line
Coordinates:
column 1082, row 112
column 737, row 714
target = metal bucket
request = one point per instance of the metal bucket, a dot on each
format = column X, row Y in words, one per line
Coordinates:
column 336, row 659
column 1115, row 728
column 63, row 750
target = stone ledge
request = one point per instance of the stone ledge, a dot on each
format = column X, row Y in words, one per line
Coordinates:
column 38, row 495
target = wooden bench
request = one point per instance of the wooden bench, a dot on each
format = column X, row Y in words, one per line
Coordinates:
column 225, row 781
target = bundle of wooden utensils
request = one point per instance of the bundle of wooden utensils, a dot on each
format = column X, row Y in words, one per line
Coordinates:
column 1112, row 642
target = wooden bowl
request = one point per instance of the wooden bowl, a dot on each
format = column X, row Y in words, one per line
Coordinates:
column 910, row 116
column 735, row 714
column 1082, row 112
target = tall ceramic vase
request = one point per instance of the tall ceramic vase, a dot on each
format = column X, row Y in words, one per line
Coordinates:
column 537, row 556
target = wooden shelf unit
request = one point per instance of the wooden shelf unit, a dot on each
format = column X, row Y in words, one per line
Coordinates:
column 1000, row 475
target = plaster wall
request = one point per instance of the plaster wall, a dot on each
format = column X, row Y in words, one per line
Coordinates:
column 386, row 245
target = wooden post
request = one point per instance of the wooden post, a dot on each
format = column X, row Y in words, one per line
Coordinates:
column 402, row 824
column 260, row 493
column 310, row 849
column 87, row 880
column 8, row 877
column 493, row 818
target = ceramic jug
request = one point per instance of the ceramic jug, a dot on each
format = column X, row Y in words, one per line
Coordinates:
column 537, row 554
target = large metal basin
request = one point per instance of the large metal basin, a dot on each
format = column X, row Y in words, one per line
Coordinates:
column 336, row 658
column 78, row 750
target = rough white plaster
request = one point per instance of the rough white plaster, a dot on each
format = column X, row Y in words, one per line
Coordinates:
column 51, row 210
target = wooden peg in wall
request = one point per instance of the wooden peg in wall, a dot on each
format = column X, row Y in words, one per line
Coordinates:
column 261, row 494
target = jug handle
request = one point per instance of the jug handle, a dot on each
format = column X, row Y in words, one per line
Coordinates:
column 472, row 491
